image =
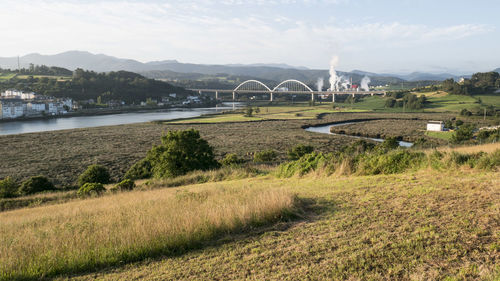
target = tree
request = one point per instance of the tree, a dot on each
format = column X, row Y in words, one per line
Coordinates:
column 464, row 133
column 94, row 174
column 249, row 112
column 390, row 102
column 8, row 188
column 35, row 184
column 181, row 152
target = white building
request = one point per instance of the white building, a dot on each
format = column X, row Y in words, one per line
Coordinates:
column 436, row 126
column 12, row 109
column 15, row 94
column 36, row 107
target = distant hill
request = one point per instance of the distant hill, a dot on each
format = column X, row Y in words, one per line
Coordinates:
column 421, row 76
column 497, row 70
column 172, row 69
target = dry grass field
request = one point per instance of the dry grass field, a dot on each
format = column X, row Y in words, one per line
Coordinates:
column 111, row 230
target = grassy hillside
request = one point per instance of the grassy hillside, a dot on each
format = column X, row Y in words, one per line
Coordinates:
column 421, row 224
column 415, row 226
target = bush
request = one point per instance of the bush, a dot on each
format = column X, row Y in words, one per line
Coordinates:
column 489, row 161
column 94, row 174
column 91, row 188
column 8, row 188
column 464, row 133
column 35, row 184
column 389, row 143
column 395, row 161
column 298, row 151
column 265, row 156
column 140, row 170
column 231, row 159
column 248, row 112
column 179, row 153
column 126, row 184
column 304, row 165
column 465, row 112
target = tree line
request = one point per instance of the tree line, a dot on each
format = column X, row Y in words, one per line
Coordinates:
column 120, row 85
column 480, row 83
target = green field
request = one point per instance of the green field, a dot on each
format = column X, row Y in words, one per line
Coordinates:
column 7, row 76
column 440, row 135
column 298, row 112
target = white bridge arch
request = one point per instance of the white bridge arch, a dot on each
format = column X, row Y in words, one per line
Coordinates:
column 293, row 81
column 250, row 83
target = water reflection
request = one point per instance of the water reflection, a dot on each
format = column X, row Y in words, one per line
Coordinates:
column 326, row 130
column 30, row 126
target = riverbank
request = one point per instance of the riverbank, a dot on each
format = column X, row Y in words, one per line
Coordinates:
column 107, row 111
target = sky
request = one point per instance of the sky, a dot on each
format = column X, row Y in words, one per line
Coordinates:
column 385, row 36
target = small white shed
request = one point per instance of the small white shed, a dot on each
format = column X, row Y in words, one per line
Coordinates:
column 436, row 126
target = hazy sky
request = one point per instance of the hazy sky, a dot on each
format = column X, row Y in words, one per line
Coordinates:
column 371, row 35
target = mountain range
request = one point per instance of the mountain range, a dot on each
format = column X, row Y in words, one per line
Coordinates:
column 167, row 69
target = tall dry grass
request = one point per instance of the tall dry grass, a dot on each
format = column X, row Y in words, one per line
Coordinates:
column 488, row 148
column 88, row 234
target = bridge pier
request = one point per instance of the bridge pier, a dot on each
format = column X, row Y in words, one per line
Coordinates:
column 371, row 94
column 216, row 95
column 312, row 96
column 234, row 96
column 333, row 98
column 353, row 95
column 271, row 99
column 199, row 93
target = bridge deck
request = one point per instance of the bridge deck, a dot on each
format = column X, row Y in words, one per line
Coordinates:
column 290, row 92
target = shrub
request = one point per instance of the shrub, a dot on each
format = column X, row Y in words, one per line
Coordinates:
column 464, row 133
column 248, row 112
column 231, row 159
column 126, row 184
column 299, row 150
column 389, row 143
column 465, row 112
column 35, row 184
column 140, row 170
column 179, row 153
column 94, row 174
column 8, row 188
column 304, row 165
column 489, row 161
column 265, row 156
column 395, row 161
column 90, row 188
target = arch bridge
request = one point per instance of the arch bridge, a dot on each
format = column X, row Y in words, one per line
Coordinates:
column 290, row 86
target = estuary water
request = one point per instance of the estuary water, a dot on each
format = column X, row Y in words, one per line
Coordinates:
column 326, row 130
column 63, row 123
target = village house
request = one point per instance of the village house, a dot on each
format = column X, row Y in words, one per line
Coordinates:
column 436, row 126
column 12, row 109
column 15, row 94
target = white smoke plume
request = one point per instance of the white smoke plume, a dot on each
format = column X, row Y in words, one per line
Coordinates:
column 334, row 79
column 365, row 82
column 344, row 83
column 319, row 84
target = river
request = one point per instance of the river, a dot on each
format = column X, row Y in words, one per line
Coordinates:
column 63, row 123
column 326, row 130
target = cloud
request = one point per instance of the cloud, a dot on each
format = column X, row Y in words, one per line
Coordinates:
column 203, row 31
